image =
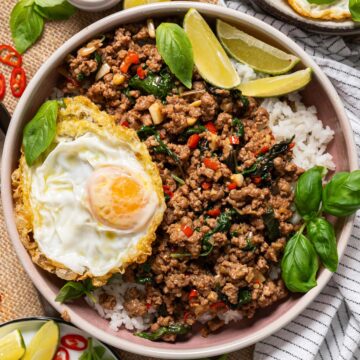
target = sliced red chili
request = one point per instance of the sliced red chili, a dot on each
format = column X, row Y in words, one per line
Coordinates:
column 9, row 56
column 211, row 127
column 125, row 124
column 62, row 354
column 167, row 191
column 186, row 315
column 193, row 293
column 141, row 72
column 234, row 140
column 74, row 342
column 256, row 179
column 18, row 81
column 67, row 76
column 2, row 86
column 218, row 305
column 232, row 186
column 205, row 185
column 130, row 59
column 187, row 230
column 291, row 145
column 263, row 150
column 211, row 164
column 148, row 306
column 214, row 212
column 193, row 141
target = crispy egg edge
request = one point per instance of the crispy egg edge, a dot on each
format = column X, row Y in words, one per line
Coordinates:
column 88, row 118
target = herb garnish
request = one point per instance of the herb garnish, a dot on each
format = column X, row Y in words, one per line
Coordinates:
column 94, row 352
column 178, row 329
column 73, row 290
column 272, row 225
column 316, row 238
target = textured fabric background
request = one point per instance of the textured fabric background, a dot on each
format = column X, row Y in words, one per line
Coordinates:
column 18, row 298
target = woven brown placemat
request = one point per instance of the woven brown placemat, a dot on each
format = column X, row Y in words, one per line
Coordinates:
column 18, row 297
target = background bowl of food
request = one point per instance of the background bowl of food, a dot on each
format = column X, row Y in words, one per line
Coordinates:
column 223, row 220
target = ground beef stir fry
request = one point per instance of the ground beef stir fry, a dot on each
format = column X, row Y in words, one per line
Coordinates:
column 228, row 184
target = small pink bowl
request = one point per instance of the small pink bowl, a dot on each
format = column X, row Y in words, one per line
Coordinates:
column 319, row 93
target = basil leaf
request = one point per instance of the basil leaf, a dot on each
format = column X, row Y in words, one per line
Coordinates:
column 178, row 329
column 26, row 25
column 40, row 131
column 299, row 264
column 322, row 235
column 73, row 290
column 175, row 48
column 48, row 3
column 354, row 7
column 341, row 196
column 61, row 10
column 308, row 191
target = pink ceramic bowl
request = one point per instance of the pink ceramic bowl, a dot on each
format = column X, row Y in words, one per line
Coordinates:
column 319, row 93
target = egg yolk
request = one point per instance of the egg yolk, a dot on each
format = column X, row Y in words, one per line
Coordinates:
column 116, row 197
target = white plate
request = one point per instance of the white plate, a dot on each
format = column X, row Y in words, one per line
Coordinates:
column 30, row 326
column 282, row 10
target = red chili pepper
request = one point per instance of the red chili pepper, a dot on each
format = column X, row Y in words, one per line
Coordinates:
column 61, row 354
column 167, row 191
column 218, row 305
column 257, row 179
column 291, row 145
column 141, row 72
column 214, row 212
column 74, row 342
column 211, row 164
column 67, row 76
column 232, row 186
column 193, row 293
column 9, row 56
column 18, row 81
column 125, row 124
column 187, row 230
column 263, row 150
column 205, row 185
column 186, row 315
column 234, row 140
column 211, row 127
column 130, row 59
column 148, row 306
column 2, row 86
column 193, row 141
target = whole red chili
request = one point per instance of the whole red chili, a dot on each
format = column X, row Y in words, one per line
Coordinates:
column 74, row 342
column 2, row 87
column 141, row 72
column 9, row 56
column 234, row 140
column 193, row 293
column 214, row 212
column 187, row 230
column 130, row 59
column 18, row 81
column 211, row 127
column 62, row 354
column 193, row 141
column 211, row 164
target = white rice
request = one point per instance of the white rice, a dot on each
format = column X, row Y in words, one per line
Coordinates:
column 311, row 140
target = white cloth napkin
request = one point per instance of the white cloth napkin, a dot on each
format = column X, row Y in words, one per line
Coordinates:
column 329, row 329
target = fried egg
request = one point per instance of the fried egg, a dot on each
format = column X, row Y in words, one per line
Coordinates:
column 338, row 10
column 95, row 199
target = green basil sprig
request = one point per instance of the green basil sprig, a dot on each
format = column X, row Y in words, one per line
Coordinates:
column 322, row 235
column 40, row 132
column 94, row 352
column 175, row 48
column 178, row 329
column 299, row 264
column 73, row 290
column 341, row 196
column 27, row 19
column 308, row 191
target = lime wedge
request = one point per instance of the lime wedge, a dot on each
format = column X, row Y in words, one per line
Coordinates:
column 44, row 344
column 132, row 3
column 253, row 52
column 12, row 346
column 210, row 58
column 277, row 85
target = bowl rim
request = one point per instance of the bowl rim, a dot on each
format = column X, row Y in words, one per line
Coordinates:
column 9, row 148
